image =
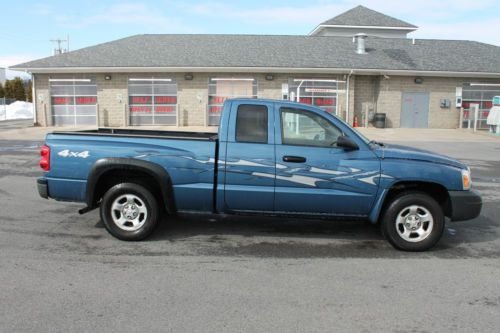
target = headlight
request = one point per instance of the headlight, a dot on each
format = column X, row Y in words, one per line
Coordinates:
column 466, row 180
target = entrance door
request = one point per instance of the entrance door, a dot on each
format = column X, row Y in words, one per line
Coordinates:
column 415, row 110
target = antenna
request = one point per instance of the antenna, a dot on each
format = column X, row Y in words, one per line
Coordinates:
column 59, row 41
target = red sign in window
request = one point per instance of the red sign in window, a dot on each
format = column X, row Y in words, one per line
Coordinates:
column 218, row 99
column 140, row 109
column 215, row 109
column 324, row 101
column 62, row 100
column 82, row 100
column 164, row 109
column 305, row 100
column 165, row 100
column 140, row 100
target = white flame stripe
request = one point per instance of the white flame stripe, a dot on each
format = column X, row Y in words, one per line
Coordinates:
column 304, row 180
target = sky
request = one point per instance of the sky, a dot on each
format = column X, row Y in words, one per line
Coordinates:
column 28, row 26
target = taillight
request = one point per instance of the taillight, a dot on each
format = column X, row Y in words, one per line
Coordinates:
column 45, row 158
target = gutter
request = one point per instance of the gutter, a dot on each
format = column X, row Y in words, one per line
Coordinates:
column 33, row 98
column 288, row 70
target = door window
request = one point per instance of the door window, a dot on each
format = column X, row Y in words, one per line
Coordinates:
column 304, row 128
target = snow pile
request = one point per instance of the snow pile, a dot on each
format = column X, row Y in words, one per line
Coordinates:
column 16, row 110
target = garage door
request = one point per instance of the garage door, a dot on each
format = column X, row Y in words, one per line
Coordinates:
column 318, row 92
column 73, row 101
column 152, row 100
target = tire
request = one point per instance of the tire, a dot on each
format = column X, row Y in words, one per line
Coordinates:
column 413, row 221
column 129, row 211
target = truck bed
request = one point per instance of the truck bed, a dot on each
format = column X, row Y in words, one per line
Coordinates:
column 120, row 132
column 188, row 157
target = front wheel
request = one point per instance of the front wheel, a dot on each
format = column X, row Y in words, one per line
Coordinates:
column 129, row 211
column 413, row 221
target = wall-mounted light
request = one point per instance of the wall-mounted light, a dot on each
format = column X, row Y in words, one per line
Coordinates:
column 107, row 77
column 419, row 80
column 188, row 77
column 269, row 77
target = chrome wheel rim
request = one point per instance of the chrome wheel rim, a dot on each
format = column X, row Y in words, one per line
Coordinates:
column 414, row 223
column 129, row 212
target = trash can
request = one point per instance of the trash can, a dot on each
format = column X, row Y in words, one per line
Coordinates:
column 379, row 120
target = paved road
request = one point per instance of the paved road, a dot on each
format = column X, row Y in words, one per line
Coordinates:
column 62, row 272
column 15, row 124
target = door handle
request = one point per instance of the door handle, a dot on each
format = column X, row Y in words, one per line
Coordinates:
column 294, row 159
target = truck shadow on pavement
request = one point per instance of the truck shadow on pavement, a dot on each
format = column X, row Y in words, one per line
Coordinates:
column 303, row 238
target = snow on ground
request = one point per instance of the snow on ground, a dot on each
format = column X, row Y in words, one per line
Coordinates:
column 16, row 110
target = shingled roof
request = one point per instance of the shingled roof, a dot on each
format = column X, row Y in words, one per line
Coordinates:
column 362, row 16
column 259, row 53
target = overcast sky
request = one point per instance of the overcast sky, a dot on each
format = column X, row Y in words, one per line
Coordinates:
column 28, row 25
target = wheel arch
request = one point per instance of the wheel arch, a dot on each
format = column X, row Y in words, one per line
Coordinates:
column 437, row 191
column 108, row 172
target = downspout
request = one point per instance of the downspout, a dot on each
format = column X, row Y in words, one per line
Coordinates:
column 347, row 97
column 33, row 98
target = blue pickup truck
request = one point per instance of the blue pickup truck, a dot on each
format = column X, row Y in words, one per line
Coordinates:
column 269, row 157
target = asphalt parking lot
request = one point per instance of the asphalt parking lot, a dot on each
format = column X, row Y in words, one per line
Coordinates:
column 61, row 271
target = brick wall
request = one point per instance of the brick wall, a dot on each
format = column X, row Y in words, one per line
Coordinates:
column 391, row 91
column 366, row 92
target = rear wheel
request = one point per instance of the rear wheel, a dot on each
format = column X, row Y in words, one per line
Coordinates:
column 413, row 221
column 129, row 211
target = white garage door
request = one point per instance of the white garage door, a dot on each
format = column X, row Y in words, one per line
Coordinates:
column 152, row 100
column 74, row 101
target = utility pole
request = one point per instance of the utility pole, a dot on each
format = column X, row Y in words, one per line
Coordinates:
column 59, row 41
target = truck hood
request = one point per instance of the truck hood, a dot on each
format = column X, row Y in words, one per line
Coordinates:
column 415, row 154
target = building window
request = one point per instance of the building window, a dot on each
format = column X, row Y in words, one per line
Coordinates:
column 318, row 92
column 152, row 100
column 220, row 89
column 482, row 94
column 73, row 101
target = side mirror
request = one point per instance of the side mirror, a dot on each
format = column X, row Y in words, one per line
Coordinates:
column 346, row 143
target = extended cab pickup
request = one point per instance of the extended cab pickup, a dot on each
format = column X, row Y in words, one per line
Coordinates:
column 269, row 157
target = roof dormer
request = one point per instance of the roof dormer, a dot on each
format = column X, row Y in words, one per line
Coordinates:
column 364, row 20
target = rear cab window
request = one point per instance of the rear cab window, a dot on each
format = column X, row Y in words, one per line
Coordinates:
column 252, row 123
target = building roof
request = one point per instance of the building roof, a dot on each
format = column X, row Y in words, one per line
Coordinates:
column 362, row 16
column 272, row 53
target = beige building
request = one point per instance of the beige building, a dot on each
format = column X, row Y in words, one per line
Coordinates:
column 356, row 64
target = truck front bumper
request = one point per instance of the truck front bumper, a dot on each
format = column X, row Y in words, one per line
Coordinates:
column 43, row 187
column 465, row 205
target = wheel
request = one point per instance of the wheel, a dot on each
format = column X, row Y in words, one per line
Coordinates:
column 413, row 221
column 129, row 211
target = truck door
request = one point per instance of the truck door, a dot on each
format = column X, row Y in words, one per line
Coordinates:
column 249, row 159
column 313, row 175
